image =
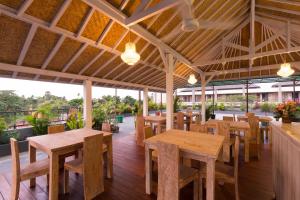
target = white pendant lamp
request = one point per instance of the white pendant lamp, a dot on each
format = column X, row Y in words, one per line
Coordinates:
column 285, row 70
column 130, row 56
column 192, row 80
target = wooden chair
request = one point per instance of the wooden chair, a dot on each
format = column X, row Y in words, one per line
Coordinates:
column 139, row 130
column 254, row 133
column 52, row 129
column 90, row 166
column 198, row 128
column 265, row 127
column 228, row 118
column 171, row 175
column 33, row 170
column 226, row 173
column 179, row 123
column 148, row 133
column 223, row 128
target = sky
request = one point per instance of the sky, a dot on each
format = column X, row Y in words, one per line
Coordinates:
column 70, row 91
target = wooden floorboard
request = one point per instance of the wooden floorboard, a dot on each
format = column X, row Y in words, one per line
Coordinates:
column 128, row 183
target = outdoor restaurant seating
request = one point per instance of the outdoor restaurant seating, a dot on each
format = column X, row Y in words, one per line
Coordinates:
column 224, row 172
column 32, row 170
column 172, row 176
column 90, row 166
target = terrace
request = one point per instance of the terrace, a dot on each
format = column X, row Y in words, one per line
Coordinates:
column 156, row 46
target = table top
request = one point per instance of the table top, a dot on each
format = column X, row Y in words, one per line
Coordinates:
column 233, row 125
column 190, row 142
column 155, row 118
column 261, row 118
column 58, row 141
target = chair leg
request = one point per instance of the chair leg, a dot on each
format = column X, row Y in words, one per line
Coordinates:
column 200, row 188
column 66, row 181
column 237, row 195
column 196, row 188
column 15, row 189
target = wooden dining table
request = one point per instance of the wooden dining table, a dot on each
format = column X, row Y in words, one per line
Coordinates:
column 261, row 118
column 237, row 127
column 192, row 145
column 158, row 120
column 63, row 143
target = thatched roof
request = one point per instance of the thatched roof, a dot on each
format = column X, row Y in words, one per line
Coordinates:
column 80, row 38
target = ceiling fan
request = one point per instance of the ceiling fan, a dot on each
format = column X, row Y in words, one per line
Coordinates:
column 190, row 23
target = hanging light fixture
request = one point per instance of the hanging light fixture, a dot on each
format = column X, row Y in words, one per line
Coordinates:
column 192, row 80
column 285, row 70
column 130, row 56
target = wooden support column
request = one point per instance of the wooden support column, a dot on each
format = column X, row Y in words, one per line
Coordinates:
column 279, row 93
column 161, row 104
column 247, row 96
column 145, row 102
column 87, row 103
column 203, row 108
column 169, row 90
column 193, row 97
column 140, row 100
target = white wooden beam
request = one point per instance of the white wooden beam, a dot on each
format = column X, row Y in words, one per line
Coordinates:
column 74, row 57
column 258, row 68
column 114, row 69
column 252, row 33
column 266, row 42
column 154, row 10
column 85, row 22
column 236, row 46
column 105, row 65
column 60, row 13
column 91, row 62
column 203, row 107
column 120, row 17
column 44, row 72
column 288, row 35
column 26, row 46
column 24, row 7
column 293, row 12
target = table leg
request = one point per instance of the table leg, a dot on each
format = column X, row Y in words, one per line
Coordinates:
column 210, row 181
column 54, row 176
column 158, row 128
column 32, row 158
column 247, row 145
column 148, row 169
column 110, row 159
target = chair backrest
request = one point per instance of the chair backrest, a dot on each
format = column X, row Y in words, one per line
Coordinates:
column 250, row 114
column 223, row 128
column 236, row 158
column 198, row 128
column 228, row 118
column 254, row 125
column 15, row 159
column 180, row 121
column 168, row 171
column 148, row 132
column 139, row 131
column 92, row 166
column 52, row 129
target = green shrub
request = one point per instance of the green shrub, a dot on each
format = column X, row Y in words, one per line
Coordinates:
column 3, row 125
column 75, row 121
column 221, row 106
column 6, row 135
column 243, row 107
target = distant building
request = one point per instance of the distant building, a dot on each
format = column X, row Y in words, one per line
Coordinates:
column 275, row 93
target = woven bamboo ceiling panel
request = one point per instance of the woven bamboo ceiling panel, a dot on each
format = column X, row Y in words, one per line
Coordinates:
column 75, row 37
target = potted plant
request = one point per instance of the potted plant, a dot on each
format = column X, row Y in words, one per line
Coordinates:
column 98, row 117
column 286, row 111
column 40, row 119
column 75, row 120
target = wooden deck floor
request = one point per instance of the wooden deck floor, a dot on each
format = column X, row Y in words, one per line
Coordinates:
column 255, row 179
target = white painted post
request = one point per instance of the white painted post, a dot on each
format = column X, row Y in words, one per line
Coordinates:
column 216, row 96
column 169, row 91
column 145, row 102
column 244, row 90
column 279, row 93
column 193, row 97
column 87, row 103
column 261, row 97
column 203, row 108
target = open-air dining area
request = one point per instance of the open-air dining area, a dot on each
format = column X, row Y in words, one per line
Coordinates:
column 216, row 113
